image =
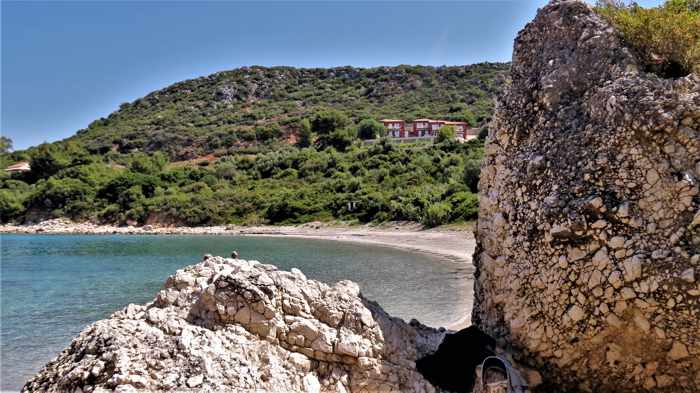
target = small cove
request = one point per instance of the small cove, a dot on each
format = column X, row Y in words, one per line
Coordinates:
column 52, row 286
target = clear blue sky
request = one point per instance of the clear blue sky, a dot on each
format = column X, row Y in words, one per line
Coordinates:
column 65, row 64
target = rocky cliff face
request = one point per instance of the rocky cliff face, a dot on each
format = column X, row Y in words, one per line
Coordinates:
column 588, row 236
column 235, row 325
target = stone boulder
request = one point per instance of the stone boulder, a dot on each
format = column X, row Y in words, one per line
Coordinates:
column 236, row 325
column 588, row 241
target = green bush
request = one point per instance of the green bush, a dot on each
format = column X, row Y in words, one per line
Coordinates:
column 437, row 214
column 11, row 204
column 340, row 139
column 469, row 117
column 69, row 197
column 465, row 206
column 370, row 129
column 47, row 160
column 667, row 37
column 268, row 132
column 328, row 121
column 446, row 133
column 305, row 135
column 149, row 164
column 113, row 190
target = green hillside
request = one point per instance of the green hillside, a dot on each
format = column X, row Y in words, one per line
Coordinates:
column 223, row 112
column 267, row 145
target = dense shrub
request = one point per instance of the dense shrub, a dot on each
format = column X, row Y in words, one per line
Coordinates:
column 11, row 205
column 347, row 181
column 69, row 197
column 446, row 133
column 47, row 160
column 268, row 132
column 370, row 129
column 469, row 117
column 305, row 134
column 465, row 206
column 437, row 214
column 340, row 139
column 328, row 121
column 667, row 37
column 148, row 163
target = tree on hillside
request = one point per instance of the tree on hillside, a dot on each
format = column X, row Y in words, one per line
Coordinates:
column 268, row 132
column 306, row 136
column 47, row 160
column 370, row 129
column 69, row 197
column 469, row 117
column 148, row 164
column 5, row 144
column 340, row 139
column 446, row 133
column 328, row 121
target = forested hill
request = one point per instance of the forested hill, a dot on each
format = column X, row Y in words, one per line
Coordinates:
column 266, row 145
column 242, row 108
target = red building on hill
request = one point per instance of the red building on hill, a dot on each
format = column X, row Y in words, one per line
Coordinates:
column 395, row 128
column 423, row 128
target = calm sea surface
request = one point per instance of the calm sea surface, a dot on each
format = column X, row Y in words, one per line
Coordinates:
column 52, row 286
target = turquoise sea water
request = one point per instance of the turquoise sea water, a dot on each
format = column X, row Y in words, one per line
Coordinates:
column 52, row 286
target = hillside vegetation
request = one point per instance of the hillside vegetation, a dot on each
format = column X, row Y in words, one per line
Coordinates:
column 430, row 183
column 667, row 37
column 252, row 108
column 267, row 145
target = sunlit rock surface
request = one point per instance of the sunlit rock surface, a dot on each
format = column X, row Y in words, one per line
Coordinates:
column 589, row 229
column 236, row 325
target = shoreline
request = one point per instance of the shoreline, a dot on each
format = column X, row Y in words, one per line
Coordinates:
column 456, row 245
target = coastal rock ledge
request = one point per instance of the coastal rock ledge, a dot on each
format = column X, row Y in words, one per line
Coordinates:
column 236, row 325
column 588, row 243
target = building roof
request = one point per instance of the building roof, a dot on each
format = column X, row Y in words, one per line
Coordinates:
column 456, row 122
column 22, row 166
column 425, row 120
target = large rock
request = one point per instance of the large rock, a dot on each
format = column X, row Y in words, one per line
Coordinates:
column 235, row 325
column 589, row 228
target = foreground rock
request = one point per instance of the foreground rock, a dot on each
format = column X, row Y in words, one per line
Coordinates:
column 235, row 325
column 588, row 245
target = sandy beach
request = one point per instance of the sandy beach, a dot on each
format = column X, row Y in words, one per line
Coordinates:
column 454, row 244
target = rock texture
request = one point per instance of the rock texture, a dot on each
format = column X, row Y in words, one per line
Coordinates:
column 236, row 325
column 588, row 241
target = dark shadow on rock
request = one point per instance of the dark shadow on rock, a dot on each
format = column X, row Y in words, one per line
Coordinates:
column 452, row 366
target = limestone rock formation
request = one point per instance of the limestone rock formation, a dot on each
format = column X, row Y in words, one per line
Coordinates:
column 235, row 325
column 588, row 244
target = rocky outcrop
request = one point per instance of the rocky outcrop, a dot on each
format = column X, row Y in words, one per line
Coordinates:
column 588, row 255
column 236, row 325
